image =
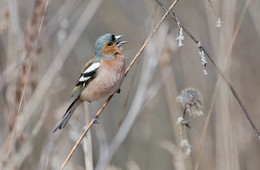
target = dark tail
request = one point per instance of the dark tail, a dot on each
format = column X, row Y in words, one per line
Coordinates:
column 73, row 105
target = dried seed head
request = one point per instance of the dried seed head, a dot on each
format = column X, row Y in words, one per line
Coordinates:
column 179, row 120
column 180, row 37
column 186, row 147
column 203, row 61
column 218, row 23
column 191, row 102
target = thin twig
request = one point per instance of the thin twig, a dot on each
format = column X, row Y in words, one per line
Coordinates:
column 203, row 135
column 54, row 23
column 135, row 72
column 126, row 72
column 122, row 115
column 87, row 142
column 151, row 35
column 85, row 132
column 201, row 47
column 213, row 11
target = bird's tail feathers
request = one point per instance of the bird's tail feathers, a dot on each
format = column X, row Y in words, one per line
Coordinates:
column 73, row 105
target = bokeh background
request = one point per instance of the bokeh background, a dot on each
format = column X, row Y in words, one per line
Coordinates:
column 41, row 69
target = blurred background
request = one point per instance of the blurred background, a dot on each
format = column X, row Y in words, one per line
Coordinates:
column 38, row 70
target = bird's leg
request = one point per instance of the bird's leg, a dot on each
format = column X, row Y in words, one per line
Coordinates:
column 91, row 112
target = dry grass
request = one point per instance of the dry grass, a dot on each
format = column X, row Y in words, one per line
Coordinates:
column 41, row 56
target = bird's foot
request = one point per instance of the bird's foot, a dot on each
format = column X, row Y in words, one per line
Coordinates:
column 118, row 91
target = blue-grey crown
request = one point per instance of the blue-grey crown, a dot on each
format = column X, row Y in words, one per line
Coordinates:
column 100, row 44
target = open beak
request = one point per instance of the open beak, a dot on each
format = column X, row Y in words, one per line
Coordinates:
column 119, row 43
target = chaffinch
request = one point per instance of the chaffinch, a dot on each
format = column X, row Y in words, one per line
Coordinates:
column 101, row 76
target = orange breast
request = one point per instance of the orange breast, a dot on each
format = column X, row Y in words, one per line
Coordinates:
column 109, row 77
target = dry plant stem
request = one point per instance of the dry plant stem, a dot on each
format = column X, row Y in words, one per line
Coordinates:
column 32, row 54
column 27, row 73
column 42, row 117
column 127, row 97
column 122, row 115
column 152, row 18
column 255, row 13
column 201, row 47
column 15, row 34
column 213, row 11
column 17, row 158
column 64, row 12
column 225, row 140
column 203, row 136
column 134, row 75
column 126, row 72
column 151, row 35
column 11, row 32
column 85, row 132
column 87, row 142
column 48, row 153
column 205, row 128
column 170, row 91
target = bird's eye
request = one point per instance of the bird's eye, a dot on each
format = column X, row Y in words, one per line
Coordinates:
column 109, row 43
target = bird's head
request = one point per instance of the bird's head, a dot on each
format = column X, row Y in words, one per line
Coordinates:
column 107, row 46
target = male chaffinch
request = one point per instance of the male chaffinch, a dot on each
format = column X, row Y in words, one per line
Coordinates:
column 101, row 76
